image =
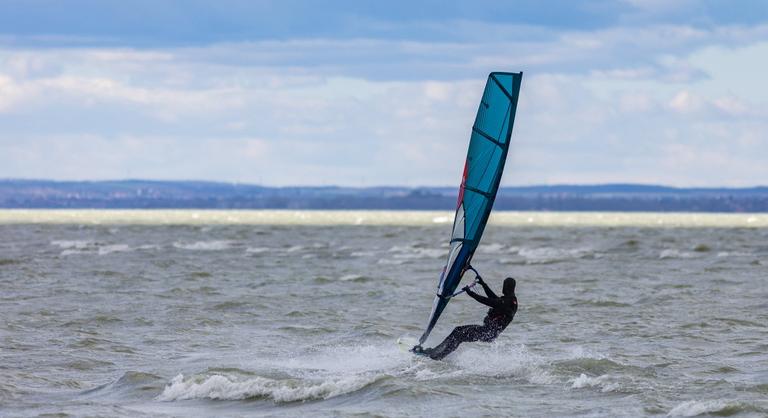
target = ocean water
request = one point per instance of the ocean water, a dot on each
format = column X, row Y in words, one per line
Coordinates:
column 226, row 313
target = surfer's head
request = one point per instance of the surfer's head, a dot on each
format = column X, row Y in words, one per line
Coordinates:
column 509, row 286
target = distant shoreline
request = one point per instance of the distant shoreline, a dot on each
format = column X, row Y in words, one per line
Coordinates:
column 149, row 194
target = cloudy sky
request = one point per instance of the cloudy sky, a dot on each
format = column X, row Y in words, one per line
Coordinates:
column 364, row 93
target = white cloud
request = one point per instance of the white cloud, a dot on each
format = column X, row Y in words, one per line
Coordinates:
column 611, row 105
column 10, row 94
column 635, row 102
column 732, row 105
column 686, row 102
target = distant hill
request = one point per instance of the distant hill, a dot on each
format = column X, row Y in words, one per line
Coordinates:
column 145, row 194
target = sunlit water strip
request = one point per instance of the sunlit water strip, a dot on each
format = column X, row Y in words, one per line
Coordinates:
column 373, row 217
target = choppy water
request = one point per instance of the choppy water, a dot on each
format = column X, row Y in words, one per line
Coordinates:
column 247, row 314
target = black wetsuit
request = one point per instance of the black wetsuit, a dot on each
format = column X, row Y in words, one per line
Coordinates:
column 502, row 312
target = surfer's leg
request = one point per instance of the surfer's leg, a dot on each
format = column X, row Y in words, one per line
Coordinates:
column 462, row 334
column 490, row 333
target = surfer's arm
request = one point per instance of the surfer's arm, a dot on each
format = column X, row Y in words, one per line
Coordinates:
column 488, row 290
column 493, row 303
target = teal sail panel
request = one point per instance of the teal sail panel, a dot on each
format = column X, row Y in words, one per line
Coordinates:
column 488, row 147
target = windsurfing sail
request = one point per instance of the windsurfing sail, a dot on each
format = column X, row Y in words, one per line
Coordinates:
column 488, row 146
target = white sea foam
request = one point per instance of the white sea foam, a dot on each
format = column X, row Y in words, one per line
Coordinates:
column 412, row 253
column 580, row 352
column 321, row 374
column 734, row 254
column 257, row 250
column 419, row 253
column 400, row 249
column 673, row 253
column 501, row 360
column 73, row 252
column 387, row 261
column 336, row 360
column 492, row 248
column 224, row 387
column 606, row 383
column 695, row 408
column 216, row 245
column 115, row 248
column 374, row 362
column 546, row 255
column 427, row 374
column 75, row 247
column 73, row 244
column 92, row 247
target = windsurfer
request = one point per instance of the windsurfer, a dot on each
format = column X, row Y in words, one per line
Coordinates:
column 502, row 311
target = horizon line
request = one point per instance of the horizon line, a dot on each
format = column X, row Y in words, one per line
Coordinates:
column 245, row 183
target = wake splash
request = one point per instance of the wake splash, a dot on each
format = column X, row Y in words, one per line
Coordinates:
column 322, row 373
column 500, row 360
column 332, row 371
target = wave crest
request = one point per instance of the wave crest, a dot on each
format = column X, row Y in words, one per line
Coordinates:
column 223, row 387
column 216, row 245
column 710, row 407
column 605, row 382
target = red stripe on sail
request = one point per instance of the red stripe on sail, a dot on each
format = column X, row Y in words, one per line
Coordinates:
column 463, row 183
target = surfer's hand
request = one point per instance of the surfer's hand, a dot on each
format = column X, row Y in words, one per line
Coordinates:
column 466, row 288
